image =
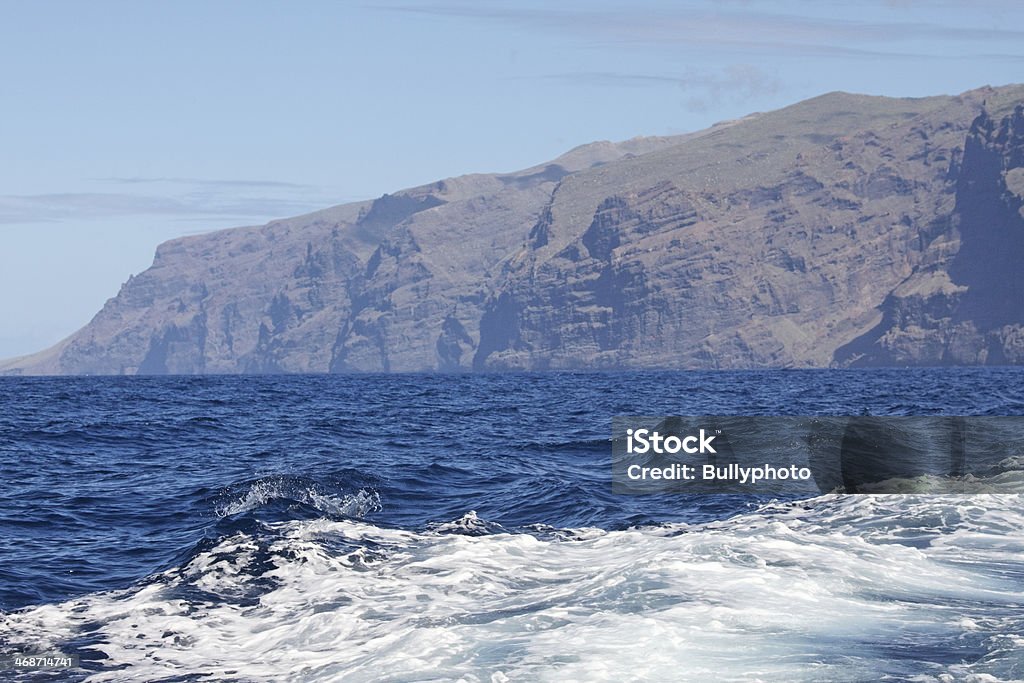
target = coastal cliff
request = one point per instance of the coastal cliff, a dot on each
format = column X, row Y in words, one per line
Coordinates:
column 842, row 230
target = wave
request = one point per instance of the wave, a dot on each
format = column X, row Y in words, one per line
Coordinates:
column 252, row 495
column 831, row 588
column 468, row 524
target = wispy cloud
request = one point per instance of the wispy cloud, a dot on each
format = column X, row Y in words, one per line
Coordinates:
column 741, row 26
column 214, row 183
column 41, row 208
column 185, row 198
column 701, row 89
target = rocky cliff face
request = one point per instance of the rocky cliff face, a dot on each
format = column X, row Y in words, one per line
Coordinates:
column 964, row 304
column 842, row 230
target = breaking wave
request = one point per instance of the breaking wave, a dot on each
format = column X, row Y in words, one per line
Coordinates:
column 258, row 493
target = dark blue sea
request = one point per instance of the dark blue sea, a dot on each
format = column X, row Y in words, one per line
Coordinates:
column 463, row 527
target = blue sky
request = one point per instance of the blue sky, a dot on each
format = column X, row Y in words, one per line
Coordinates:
column 128, row 123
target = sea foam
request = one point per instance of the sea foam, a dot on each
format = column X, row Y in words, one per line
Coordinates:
column 835, row 588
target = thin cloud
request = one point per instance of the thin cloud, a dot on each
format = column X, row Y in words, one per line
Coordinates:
column 705, row 27
column 59, row 207
column 703, row 89
column 180, row 198
column 206, row 182
column 932, row 4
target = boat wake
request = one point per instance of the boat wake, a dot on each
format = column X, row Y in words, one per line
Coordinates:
column 924, row 588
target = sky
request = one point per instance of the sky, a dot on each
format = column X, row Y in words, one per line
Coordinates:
column 128, row 123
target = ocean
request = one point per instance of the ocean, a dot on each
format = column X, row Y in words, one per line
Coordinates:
column 463, row 527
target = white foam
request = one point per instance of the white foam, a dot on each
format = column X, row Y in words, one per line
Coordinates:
column 268, row 489
column 853, row 588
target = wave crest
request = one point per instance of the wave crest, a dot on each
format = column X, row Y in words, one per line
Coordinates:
column 266, row 490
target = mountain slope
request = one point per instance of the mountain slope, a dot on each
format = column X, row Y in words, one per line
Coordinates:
column 785, row 239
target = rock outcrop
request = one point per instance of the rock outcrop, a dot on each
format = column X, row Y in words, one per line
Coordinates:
column 843, row 230
column 964, row 304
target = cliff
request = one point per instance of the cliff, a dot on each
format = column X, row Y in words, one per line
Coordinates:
column 845, row 229
column 964, row 303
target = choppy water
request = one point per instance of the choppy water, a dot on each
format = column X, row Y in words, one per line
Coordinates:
column 463, row 527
